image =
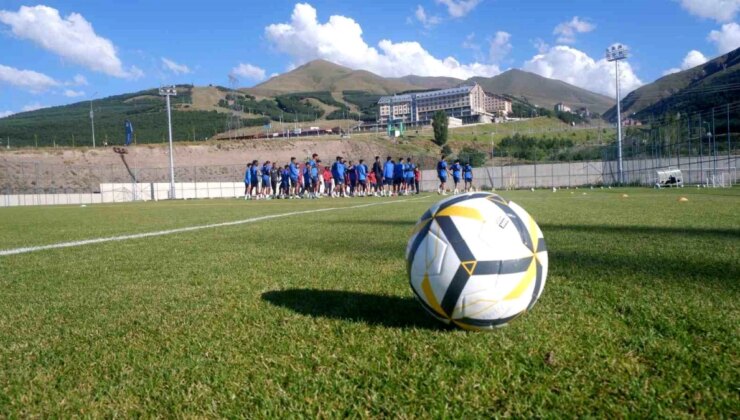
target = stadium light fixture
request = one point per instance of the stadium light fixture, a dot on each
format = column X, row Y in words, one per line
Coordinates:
column 168, row 91
column 617, row 53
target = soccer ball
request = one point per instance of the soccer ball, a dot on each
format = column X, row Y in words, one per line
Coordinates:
column 477, row 261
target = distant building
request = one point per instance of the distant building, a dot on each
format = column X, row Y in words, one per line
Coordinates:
column 454, row 122
column 629, row 122
column 498, row 105
column 468, row 103
column 583, row 112
column 561, row 107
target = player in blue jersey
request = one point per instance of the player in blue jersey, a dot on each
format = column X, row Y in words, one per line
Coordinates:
column 398, row 177
column 468, row 176
column 307, row 182
column 409, row 176
column 247, row 181
column 294, row 172
column 314, row 163
column 388, row 169
column 456, row 169
column 255, row 178
column 361, row 170
column 442, row 174
column 266, row 169
column 338, row 171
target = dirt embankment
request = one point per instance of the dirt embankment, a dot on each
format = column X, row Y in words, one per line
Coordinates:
column 37, row 170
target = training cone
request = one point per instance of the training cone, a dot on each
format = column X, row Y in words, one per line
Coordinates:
column 683, row 200
column 625, row 196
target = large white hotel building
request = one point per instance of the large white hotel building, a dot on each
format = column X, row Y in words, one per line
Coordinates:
column 468, row 103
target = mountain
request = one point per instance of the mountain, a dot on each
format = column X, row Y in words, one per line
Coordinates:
column 544, row 92
column 324, row 76
column 714, row 83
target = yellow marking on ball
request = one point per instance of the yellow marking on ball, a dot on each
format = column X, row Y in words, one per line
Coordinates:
column 426, row 286
column 461, row 211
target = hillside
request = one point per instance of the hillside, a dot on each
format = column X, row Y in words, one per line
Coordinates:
column 714, row 83
column 321, row 75
column 542, row 91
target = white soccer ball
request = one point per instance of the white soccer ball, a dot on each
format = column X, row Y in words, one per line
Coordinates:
column 477, row 261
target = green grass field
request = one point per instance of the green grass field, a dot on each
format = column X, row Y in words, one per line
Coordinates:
column 311, row 315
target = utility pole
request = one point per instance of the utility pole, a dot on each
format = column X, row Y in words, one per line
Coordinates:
column 616, row 53
column 167, row 92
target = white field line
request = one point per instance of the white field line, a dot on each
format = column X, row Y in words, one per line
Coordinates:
column 26, row 250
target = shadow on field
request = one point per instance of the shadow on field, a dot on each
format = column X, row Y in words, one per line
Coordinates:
column 380, row 310
column 643, row 230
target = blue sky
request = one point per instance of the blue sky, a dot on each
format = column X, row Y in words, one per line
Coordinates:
column 60, row 52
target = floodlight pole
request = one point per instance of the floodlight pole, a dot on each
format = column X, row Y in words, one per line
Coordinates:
column 92, row 119
column 616, row 53
column 167, row 92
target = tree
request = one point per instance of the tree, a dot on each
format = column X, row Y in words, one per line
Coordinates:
column 439, row 123
column 474, row 156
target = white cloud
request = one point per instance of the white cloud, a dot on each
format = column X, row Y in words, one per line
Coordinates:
column 340, row 40
column 577, row 68
column 72, row 38
column 73, row 93
column 500, row 46
column 249, row 71
column 469, row 42
column 567, row 31
column 541, row 45
column 459, row 8
column 78, row 80
column 426, row 20
column 32, row 107
column 719, row 10
column 693, row 58
column 174, row 67
column 4, row 114
column 28, row 80
column 274, row 75
column 727, row 39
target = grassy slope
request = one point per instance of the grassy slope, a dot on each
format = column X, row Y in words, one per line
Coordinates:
column 639, row 316
column 543, row 91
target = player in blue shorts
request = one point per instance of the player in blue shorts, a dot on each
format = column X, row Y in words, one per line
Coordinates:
column 285, row 182
column 442, row 174
column 361, row 170
column 255, row 178
column 468, row 176
column 388, row 169
column 266, row 169
column 409, row 175
column 315, row 175
column 307, row 183
column 247, row 181
column 293, row 170
column 456, row 169
column 338, row 171
column 398, row 177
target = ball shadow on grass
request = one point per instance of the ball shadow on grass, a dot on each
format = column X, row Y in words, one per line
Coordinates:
column 379, row 310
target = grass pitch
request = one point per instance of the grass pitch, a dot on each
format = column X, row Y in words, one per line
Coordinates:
column 312, row 314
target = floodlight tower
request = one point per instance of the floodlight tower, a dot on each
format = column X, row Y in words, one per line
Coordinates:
column 168, row 91
column 617, row 53
column 92, row 118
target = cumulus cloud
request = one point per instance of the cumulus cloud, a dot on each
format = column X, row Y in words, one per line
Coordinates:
column 727, row 39
column 32, row 107
column 693, row 58
column 540, row 45
column 174, row 67
column 249, row 72
column 719, row 10
column 567, row 31
column 4, row 114
column 340, row 40
column 577, row 68
column 28, row 80
column 72, row 38
column 426, row 20
column 459, row 8
column 500, row 46
column 73, row 93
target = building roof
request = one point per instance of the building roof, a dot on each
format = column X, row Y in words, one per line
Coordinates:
column 425, row 95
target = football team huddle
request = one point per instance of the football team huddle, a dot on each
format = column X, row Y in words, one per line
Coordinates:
column 343, row 178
